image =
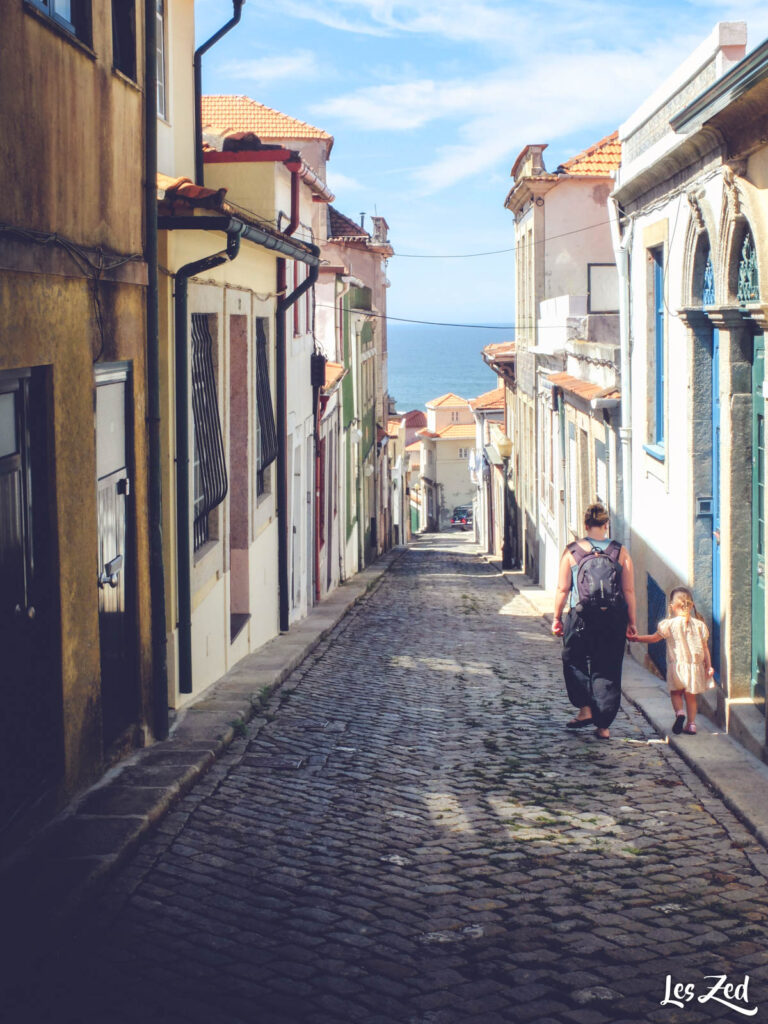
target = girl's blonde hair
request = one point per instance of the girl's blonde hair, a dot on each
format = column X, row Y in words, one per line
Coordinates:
column 682, row 592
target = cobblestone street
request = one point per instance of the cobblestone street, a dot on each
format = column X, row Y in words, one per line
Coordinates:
column 414, row 838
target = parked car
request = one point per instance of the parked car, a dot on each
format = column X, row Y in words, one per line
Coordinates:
column 462, row 517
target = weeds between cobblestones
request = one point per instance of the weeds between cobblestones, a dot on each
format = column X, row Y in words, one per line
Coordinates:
column 408, row 835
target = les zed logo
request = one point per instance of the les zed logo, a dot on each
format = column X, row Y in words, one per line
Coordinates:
column 735, row 997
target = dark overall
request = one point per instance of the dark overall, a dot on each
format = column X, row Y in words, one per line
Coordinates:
column 593, row 650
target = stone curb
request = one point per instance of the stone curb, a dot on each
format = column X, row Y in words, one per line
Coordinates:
column 738, row 778
column 41, row 883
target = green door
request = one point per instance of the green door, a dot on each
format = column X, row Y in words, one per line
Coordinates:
column 758, row 521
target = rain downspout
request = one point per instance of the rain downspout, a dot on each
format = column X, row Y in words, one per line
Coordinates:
column 621, row 246
column 159, row 694
column 237, row 6
column 183, row 553
column 284, row 303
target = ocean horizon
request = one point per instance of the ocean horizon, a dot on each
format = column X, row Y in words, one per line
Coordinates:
column 425, row 361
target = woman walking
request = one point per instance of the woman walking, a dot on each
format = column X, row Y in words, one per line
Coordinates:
column 596, row 579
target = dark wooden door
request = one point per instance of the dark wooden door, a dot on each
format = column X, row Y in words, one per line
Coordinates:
column 118, row 686
column 30, row 678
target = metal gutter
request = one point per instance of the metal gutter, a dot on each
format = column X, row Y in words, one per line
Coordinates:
column 237, row 6
column 283, row 305
column 229, row 224
column 159, row 637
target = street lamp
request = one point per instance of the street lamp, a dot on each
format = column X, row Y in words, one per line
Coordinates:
column 504, row 448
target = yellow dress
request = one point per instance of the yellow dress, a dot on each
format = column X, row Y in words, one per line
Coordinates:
column 686, row 657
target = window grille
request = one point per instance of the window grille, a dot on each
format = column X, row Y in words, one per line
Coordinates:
column 210, row 470
column 748, row 289
column 266, row 434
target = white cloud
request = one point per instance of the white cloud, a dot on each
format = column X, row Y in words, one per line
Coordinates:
column 270, row 69
column 338, row 182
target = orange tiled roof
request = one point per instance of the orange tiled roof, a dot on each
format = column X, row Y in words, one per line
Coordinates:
column 242, row 114
column 415, row 418
column 414, row 446
column 500, row 349
column 431, row 434
column 333, row 373
column 184, row 189
column 582, row 388
column 446, row 401
column 490, row 400
column 457, row 432
column 599, row 160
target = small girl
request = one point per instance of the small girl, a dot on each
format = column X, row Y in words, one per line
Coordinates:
column 689, row 668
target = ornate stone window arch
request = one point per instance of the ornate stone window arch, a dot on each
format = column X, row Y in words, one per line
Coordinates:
column 699, row 258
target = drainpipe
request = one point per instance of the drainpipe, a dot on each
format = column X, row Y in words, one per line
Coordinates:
column 237, row 6
column 183, row 553
column 155, row 509
column 284, row 303
column 621, row 246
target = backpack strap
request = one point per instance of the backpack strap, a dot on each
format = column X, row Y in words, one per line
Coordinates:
column 577, row 551
column 613, row 550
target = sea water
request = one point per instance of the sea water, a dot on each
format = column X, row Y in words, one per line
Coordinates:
column 425, row 362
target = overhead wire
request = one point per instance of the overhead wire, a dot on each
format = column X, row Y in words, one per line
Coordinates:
column 493, row 252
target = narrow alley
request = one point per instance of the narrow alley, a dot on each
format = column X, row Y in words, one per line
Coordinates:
column 414, row 838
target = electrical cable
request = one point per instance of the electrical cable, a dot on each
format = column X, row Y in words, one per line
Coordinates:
column 430, row 323
column 493, row 252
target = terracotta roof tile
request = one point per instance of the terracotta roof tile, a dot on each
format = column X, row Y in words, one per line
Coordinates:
column 582, row 388
column 457, row 432
column 169, row 189
column 500, row 350
column 414, row 446
column 415, row 418
column 431, row 434
column 340, row 226
column 333, row 373
column 242, row 114
column 599, row 160
column 490, row 400
column 446, row 401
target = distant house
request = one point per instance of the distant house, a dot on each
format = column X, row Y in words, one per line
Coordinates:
column 446, row 444
column 484, row 466
column 352, row 329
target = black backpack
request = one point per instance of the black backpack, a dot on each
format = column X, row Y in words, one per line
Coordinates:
column 598, row 576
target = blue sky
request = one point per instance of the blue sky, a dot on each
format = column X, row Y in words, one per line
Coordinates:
column 430, row 101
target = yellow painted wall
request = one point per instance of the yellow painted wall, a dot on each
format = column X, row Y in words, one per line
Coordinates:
column 75, row 168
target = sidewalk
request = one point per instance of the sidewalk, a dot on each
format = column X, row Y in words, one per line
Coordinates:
column 738, row 777
column 41, row 882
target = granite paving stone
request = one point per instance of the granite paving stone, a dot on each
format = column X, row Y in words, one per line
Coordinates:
column 407, row 834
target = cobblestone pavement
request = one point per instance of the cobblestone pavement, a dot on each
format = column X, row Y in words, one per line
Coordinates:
column 414, row 838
